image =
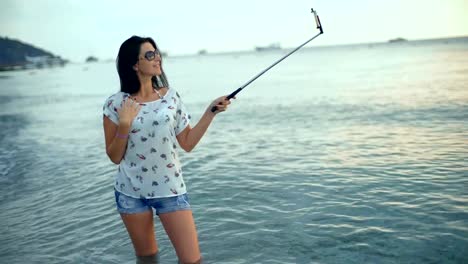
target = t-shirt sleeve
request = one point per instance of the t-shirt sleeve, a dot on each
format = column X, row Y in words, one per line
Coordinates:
column 109, row 109
column 182, row 116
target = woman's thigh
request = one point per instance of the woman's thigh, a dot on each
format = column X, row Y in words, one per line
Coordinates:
column 140, row 228
column 180, row 227
column 138, row 219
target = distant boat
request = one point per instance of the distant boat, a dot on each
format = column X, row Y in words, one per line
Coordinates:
column 273, row 46
column 202, row 52
column 396, row 40
column 91, row 59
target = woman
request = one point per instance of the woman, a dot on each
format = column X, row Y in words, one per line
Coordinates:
column 142, row 123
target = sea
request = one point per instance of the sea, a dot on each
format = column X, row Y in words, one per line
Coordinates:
column 339, row 154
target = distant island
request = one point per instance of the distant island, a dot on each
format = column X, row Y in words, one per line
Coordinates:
column 273, row 46
column 202, row 52
column 16, row 55
column 396, row 40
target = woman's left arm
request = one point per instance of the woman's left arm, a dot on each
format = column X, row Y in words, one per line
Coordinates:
column 189, row 137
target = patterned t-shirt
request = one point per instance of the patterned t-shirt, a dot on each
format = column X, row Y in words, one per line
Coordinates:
column 150, row 167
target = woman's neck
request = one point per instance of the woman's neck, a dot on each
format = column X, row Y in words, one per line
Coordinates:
column 146, row 90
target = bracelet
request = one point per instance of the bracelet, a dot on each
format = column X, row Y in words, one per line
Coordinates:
column 121, row 136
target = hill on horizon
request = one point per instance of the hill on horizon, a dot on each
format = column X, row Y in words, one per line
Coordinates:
column 14, row 52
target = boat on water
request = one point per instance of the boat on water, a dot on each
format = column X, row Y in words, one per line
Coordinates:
column 273, row 46
column 396, row 40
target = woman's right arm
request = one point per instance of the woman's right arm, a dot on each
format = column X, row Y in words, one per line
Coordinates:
column 115, row 145
column 117, row 135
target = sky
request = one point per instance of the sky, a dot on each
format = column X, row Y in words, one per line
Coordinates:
column 76, row 29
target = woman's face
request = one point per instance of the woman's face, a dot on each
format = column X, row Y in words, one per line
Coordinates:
column 149, row 60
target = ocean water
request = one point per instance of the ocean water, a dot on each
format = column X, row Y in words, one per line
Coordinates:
column 351, row 154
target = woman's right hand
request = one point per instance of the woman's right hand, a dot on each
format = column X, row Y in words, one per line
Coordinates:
column 128, row 112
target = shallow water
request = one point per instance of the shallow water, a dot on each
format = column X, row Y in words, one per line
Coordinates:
column 351, row 154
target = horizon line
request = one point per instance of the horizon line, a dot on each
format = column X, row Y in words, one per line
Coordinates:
column 228, row 52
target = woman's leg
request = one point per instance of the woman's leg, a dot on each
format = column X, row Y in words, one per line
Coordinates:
column 153, row 259
column 180, row 227
column 140, row 228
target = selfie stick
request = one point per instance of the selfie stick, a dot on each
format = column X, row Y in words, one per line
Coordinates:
column 319, row 26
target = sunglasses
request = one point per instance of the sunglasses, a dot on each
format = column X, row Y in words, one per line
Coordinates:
column 151, row 55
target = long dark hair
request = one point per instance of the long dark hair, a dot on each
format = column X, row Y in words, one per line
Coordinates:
column 127, row 58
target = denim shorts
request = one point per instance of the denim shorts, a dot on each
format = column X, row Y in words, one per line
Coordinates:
column 131, row 205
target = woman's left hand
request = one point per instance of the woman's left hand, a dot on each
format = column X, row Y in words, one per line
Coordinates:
column 221, row 104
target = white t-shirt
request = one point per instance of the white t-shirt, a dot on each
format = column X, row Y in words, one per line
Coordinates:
column 151, row 167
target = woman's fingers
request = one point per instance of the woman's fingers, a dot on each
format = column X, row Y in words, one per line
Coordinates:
column 130, row 103
column 222, row 108
column 130, row 107
column 224, row 101
column 222, row 104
